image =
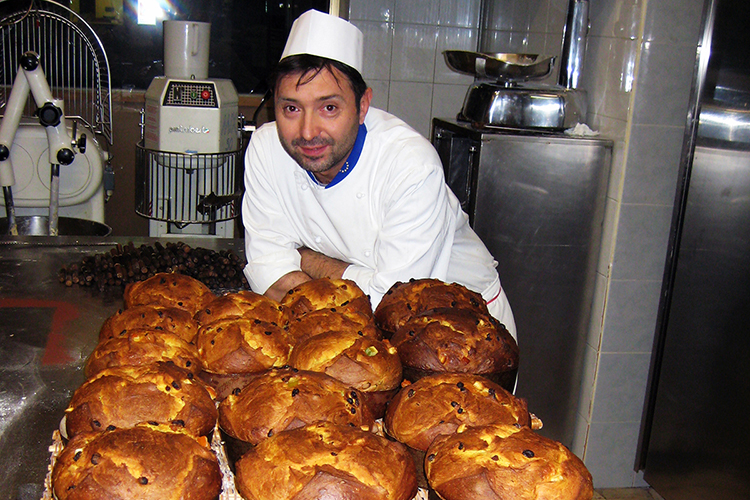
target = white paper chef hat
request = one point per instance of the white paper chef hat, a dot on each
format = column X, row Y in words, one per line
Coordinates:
column 327, row 36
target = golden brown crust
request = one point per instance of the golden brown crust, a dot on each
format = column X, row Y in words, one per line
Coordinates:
column 170, row 290
column 244, row 303
column 439, row 404
column 125, row 396
column 143, row 347
column 332, row 320
column 329, row 461
column 325, row 293
column 153, row 317
column 286, row 398
column 504, row 462
column 242, row 345
column 145, row 462
column 456, row 341
column 364, row 363
column 406, row 299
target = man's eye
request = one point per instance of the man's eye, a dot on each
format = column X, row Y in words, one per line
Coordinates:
column 290, row 108
column 331, row 108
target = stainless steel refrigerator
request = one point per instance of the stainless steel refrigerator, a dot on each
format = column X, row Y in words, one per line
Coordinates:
column 536, row 199
column 694, row 441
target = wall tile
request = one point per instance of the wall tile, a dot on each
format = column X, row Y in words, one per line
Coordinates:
column 461, row 13
column 674, row 21
column 518, row 15
column 664, row 83
column 417, row 12
column 378, row 42
column 447, row 100
column 620, row 386
column 608, row 73
column 371, row 10
column 414, row 50
column 640, row 249
column 630, row 322
column 616, row 19
column 610, row 453
column 557, row 15
column 380, row 91
column 514, row 42
column 453, row 39
column 412, row 101
column 654, row 159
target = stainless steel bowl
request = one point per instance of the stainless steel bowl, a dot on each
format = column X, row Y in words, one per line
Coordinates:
column 499, row 67
column 553, row 107
column 38, row 225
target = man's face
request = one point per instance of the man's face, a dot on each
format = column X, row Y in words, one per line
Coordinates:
column 318, row 120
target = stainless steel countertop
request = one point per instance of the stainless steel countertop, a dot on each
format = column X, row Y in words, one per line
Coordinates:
column 47, row 330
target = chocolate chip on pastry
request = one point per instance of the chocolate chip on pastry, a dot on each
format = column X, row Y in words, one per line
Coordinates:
column 240, row 304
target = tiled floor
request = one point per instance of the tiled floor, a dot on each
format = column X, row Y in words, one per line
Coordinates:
column 626, row 494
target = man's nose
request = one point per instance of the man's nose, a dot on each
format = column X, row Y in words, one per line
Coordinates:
column 309, row 127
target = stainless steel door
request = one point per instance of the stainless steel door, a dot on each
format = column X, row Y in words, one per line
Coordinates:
column 539, row 209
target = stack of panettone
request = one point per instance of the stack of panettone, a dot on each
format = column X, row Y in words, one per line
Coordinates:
column 297, row 389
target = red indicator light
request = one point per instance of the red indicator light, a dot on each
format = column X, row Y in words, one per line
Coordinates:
column 206, row 94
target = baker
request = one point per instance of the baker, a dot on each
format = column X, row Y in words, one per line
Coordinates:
column 336, row 188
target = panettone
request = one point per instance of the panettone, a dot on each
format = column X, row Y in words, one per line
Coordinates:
column 457, row 341
column 505, row 462
column 150, row 317
column 326, row 461
column 242, row 345
column 128, row 395
column 367, row 364
column 406, row 299
column 244, row 303
column 287, row 398
column 147, row 462
column 325, row 293
column 439, row 404
column 143, row 347
column 171, row 290
column 332, row 320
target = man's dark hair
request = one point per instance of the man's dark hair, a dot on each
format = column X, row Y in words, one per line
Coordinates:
column 309, row 66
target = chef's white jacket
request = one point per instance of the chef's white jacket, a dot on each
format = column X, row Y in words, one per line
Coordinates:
column 392, row 217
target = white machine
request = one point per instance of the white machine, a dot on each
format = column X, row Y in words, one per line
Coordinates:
column 190, row 150
column 55, row 105
column 37, row 167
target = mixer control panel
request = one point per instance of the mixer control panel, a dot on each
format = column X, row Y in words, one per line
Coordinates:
column 191, row 94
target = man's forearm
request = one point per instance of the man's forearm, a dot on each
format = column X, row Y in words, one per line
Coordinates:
column 286, row 283
column 316, row 265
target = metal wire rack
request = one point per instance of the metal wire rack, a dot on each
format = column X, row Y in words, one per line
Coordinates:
column 187, row 188
column 71, row 55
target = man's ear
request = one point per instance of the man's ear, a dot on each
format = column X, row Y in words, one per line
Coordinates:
column 364, row 105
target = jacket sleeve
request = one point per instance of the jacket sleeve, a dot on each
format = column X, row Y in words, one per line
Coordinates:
column 270, row 243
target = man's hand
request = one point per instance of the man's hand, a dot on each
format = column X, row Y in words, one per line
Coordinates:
column 316, row 265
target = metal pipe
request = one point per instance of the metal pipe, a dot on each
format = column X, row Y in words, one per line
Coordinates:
column 10, row 211
column 574, row 44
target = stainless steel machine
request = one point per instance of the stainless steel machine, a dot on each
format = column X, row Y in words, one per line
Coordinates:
column 536, row 199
